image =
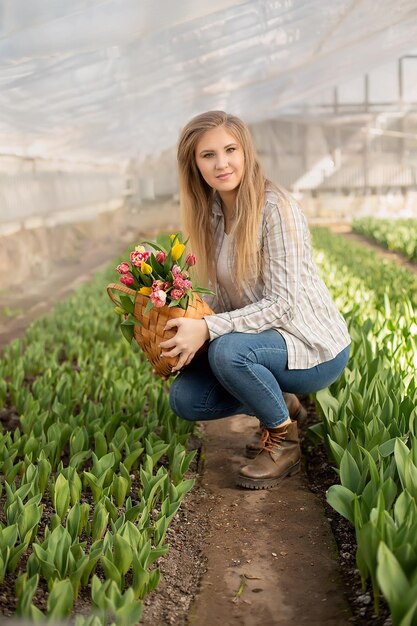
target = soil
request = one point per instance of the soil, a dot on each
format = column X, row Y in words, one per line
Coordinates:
column 280, row 556
column 185, row 564
column 271, row 555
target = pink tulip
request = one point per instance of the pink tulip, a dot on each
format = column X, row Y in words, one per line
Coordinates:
column 176, row 294
column 181, row 283
column 176, row 270
column 123, row 268
column 127, row 279
column 157, row 284
column 137, row 257
column 190, row 260
column 158, row 298
column 160, row 257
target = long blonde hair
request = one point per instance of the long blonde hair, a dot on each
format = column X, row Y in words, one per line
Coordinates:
column 196, row 198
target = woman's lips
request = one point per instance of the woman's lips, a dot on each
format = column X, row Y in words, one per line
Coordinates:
column 224, row 176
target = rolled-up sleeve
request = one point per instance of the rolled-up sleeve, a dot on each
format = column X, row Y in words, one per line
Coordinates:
column 284, row 230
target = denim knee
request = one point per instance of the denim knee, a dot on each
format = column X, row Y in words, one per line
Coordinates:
column 180, row 402
column 226, row 350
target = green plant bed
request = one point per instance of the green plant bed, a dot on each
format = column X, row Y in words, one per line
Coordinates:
column 369, row 418
column 92, row 466
column 398, row 235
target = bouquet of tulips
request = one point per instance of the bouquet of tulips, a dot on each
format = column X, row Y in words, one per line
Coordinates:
column 160, row 274
column 157, row 278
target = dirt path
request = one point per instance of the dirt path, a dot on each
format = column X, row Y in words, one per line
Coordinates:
column 271, row 556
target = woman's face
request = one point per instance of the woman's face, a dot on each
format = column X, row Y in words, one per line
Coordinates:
column 219, row 157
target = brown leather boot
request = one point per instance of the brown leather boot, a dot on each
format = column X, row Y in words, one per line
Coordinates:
column 279, row 457
column 297, row 412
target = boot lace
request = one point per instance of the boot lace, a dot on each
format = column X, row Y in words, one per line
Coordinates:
column 269, row 440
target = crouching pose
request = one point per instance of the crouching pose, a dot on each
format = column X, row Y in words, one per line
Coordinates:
column 276, row 331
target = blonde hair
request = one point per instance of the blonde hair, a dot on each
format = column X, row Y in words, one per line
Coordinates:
column 196, row 198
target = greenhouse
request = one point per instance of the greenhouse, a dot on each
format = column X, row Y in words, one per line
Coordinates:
column 208, row 296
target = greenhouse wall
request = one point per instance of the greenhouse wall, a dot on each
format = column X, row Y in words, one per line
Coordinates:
column 56, row 212
column 54, row 192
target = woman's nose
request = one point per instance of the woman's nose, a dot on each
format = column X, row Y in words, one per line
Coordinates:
column 221, row 163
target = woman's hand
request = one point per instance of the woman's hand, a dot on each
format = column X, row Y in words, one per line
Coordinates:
column 190, row 336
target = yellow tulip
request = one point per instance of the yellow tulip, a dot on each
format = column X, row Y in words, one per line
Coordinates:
column 145, row 291
column 172, row 237
column 145, row 268
column 177, row 251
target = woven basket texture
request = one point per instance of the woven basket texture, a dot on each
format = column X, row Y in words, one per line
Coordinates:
column 152, row 333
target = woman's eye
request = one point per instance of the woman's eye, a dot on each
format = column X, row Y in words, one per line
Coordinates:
column 231, row 149
column 208, row 154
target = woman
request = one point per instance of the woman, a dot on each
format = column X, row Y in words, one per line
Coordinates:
column 275, row 329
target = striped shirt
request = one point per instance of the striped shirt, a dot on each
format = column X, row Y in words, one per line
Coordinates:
column 288, row 296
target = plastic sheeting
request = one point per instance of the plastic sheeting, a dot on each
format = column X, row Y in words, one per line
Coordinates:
column 54, row 192
column 116, row 79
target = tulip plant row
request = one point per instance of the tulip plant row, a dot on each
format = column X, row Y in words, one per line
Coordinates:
column 94, row 472
column 369, row 418
column 399, row 235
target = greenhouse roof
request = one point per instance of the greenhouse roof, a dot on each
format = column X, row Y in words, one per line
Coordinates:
column 117, row 79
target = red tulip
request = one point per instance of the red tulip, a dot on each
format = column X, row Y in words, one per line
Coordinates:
column 190, row 260
column 127, row 279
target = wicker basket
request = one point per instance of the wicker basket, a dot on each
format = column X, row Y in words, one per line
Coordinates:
column 151, row 334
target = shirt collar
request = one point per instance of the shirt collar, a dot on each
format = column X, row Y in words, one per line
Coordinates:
column 216, row 206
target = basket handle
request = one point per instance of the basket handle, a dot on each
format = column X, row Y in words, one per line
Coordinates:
column 117, row 287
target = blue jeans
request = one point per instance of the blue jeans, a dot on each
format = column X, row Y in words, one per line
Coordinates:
column 247, row 373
